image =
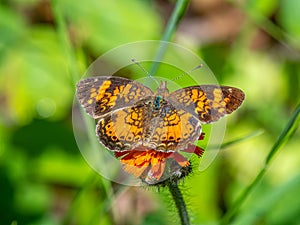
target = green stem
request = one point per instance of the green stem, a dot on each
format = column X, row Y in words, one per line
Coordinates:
column 74, row 73
column 65, row 42
column 285, row 135
column 176, row 16
column 180, row 204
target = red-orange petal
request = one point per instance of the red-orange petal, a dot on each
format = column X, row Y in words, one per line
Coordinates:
column 120, row 154
column 180, row 159
column 194, row 149
column 202, row 136
column 135, row 170
column 157, row 170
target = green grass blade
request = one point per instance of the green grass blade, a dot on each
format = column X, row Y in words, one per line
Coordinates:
column 273, row 203
column 74, row 73
column 286, row 134
column 176, row 16
column 238, row 140
column 65, row 42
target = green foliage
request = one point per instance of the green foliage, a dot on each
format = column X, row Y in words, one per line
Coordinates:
column 288, row 17
column 46, row 46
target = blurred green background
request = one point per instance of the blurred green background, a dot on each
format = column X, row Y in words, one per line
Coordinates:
column 251, row 44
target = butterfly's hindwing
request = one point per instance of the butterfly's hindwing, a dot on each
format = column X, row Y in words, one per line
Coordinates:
column 124, row 129
column 167, row 129
column 175, row 128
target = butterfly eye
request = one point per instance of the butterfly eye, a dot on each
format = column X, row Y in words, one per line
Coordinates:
column 148, row 102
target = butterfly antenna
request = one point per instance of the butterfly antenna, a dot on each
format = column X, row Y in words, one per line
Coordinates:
column 148, row 74
column 186, row 73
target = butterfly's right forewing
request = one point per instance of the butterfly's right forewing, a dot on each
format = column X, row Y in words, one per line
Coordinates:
column 208, row 102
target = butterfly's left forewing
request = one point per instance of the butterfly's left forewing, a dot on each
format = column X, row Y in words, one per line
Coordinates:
column 209, row 103
column 103, row 94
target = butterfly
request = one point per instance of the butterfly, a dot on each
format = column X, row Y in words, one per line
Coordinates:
column 131, row 117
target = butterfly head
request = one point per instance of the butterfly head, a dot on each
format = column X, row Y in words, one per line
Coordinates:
column 162, row 89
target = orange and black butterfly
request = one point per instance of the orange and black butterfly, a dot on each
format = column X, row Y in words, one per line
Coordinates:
column 131, row 117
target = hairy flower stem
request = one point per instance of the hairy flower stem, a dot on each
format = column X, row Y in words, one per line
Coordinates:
column 180, row 204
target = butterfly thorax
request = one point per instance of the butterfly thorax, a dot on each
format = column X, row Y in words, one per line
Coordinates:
column 157, row 102
column 161, row 92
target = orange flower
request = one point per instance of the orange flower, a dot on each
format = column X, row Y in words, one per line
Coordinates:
column 154, row 166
